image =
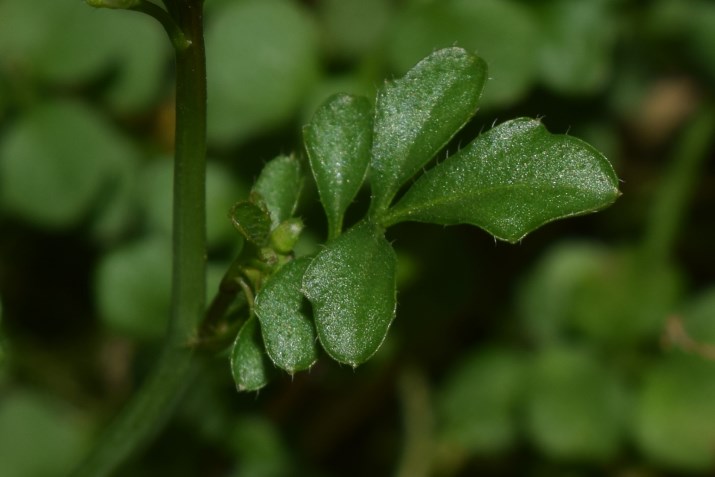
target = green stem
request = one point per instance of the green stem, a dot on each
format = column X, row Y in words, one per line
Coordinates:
column 153, row 404
column 677, row 186
column 176, row 35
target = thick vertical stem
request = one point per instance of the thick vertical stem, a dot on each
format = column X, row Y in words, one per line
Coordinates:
column 152, row 405
column 188, row 287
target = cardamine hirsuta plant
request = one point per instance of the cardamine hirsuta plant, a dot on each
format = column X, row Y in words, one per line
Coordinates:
column 278, row 309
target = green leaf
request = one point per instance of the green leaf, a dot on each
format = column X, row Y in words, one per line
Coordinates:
column 351, row 285
column 249, row 365
column 417, row 115
column 354, row 27
column 279, row 186
column 338, row 141
column 288, row 333
column 545, row 299
column 675, row 412
column 34, row 424
column 254, row 85
column 576, row 407
column 256, row 442
column 699, row 317
column 134, row 288
column 477, row 404
column 510, row 181
column 575, row 56
column 251, row 221
column 57, row 160
column 124, row 53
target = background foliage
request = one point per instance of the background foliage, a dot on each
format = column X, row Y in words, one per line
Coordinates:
column 588, row 349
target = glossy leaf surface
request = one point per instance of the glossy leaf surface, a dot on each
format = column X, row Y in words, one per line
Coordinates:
column 289, row 335
column 279, row 186
column 415, row 116
column 351, row 285
column 510, row 181
column 248, row 358
column 338, row 141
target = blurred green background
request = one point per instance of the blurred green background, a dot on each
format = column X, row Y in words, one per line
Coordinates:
column 586, row 350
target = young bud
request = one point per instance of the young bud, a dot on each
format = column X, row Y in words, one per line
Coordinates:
column 284, row 237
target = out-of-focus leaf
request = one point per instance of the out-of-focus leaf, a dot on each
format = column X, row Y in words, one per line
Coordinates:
column 259, row 449
column 32, row 426
column 415, row 116
column 354, row 27
column 279, row 186
column 249, row 364
column 675, row 412
column 55, row 162
column 575, row 407
column 35, row 41
column 546, row 295
column 624, row 301
column 477, row 404
column 575, row 55
column 503, row 32
column 699, row 317
column 134, row 286
column 351, row 285
column 510, row 181
column 338, row 141
column 261, row 61
column 289, row 334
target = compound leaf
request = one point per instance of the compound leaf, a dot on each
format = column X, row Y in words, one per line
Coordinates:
column 510, row 181
column 288, row 333
column 351, row 285
column 338, row 141
column 415, row 116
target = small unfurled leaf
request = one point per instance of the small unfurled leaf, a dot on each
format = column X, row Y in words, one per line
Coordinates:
column 415, row 116
column 251, row 221
column 279, row 186
column 249, row 365
column 510, row 181
column 338, row 141
column 351, row 285
column 288, row 333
